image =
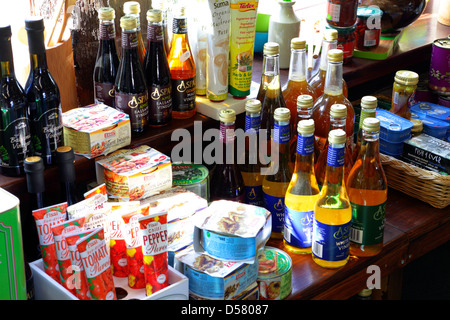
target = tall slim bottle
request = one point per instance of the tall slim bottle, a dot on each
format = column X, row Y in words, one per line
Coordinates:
column 226, row 178
column 302, row 193
column 163, row 6
column 270, row 50
column 297, row 84
column 157, row 72
column 130, row 89
column 43, row 96
column 65, row 159
column 332, row 212
column 333, row 94
column 338, row 119
column 304, row 112
column 182, row 68
column 367, row 191
column 107, row 61
column 251, row 166
column 368, row 110
column 276, row 181
column 133, row 8
column 15, row 134
column 317, row 81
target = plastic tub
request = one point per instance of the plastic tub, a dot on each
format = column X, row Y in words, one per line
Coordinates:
column 393, row 128
column 391, row 148
column 431, row 110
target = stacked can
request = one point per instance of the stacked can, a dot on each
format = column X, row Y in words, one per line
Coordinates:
column 439, row 74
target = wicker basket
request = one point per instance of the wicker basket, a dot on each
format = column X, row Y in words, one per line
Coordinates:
column 428, row 186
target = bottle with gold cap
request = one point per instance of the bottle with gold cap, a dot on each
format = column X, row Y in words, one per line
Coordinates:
column 107, row 62
column 333, row 94
column 302, row 193
column 403, row 91
column 332, row 212
column 278, row 175
column 317, row 81
column 182, row 68
column 130, row 90
column 297, row 84
column 304, row 112
column 367, row 191
column 251, row 166
column 163, row 6
column 338, row 119
column 368, row 110
column 157, row 72
column 226, row 177
column 133, row 8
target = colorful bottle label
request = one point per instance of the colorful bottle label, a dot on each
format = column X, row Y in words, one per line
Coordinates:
column 276, row 207
column 183, row 94
column 331, row 242
column 281, row 133
column 367, row 224
column 298, row 227
column 252, row 124
column 254, row 195
column 305, row 145
column 179, row 26
column 155, row 33
column 160, row 103
column 107, row 31
column 336, row 156
column 136, row 106
column 129, row 40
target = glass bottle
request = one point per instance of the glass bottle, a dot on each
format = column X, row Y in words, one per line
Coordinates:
column 251, row 166
column 227, row 182
column 133, row 8
column 130, row 89
column 277, row 178
column 317, row 81
column 107, row 61
column 157, row 72
column 304, row 112
column 302, row 193
column 15, row 134
column 332, row 212
column 161, row 5
column 297, row 84
column 65, row 159
column 333, row 94
column 182, row 69
column 368, row 110
column 367, row 191
column 338, row 119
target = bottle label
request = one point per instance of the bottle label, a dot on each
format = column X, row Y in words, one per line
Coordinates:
column 281, row 133
column 129, row 40
column 276, row 207
column 104, row 93
column 136, row 106
column 155, row 33
column 160, row 103
column 305, row 145
column 331, row 242
column 183, row 94
column 107, row 31
column 226, row 133
column 367, row 224
column 298, row 227
column 334, row 11
column 48, row 133
column 254, row 195
column 252, row 124
column 366, row 114
column 336, row 156
column 179, row 26
column 15, row 143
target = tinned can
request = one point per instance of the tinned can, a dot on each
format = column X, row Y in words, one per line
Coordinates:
column 274, row 274
column 439, row 74
column 192, row 177
column 368, row 28
column 403, row 92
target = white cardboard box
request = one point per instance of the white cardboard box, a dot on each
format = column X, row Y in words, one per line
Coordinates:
column 48, row 289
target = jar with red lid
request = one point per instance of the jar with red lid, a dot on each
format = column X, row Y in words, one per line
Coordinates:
column 368, row 28
column 346, row 41
column 341, row 13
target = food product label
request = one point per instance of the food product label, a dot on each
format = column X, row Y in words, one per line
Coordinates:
column 179, row 26
column 367, row 224
column 334, row 11
column 183, row 94
column 15, row 143
column 231, row 248
column 335, row 156
column 107, row 31
column 281, row 133
column 371, row 36
column 48, row 134
column 226, row 133
column 276, row 207
column 252, row 124
column 305, row 145
column 160, row 103
column 136, row 106
column 331, row 242
column 298, row 227
column 254, row 195
column 129, row 40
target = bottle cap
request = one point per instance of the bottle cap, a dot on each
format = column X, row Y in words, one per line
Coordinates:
column 304, row 101
column 64, row 153
column 371, row 124
column 34, row 24
column 227, row 115
column 271, row 48
column 282, row 114
column 5, row 33
column 337, row 136
column 306, row 127
column 154, row 15
column 298, row 43
column 417, row 125
column 335, row 55
column 128, row 22
column 131, row 7
column 64, row 159
column 369, row 102
column 330, row 34
column 407, row 78
column 253, row 105
column 106, row 13
column 338, row 110
column 34, row 168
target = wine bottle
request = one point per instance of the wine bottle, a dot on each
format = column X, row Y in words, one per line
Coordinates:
column 161, row 5
column 182, row 69
column 133, row 8
column 157, row 72
column 368, row 110
column 130, row 89
column 107, row 61
column 15, row 135
column 65, row 160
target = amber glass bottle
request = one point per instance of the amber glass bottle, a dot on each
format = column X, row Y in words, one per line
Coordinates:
column 182, row 68
column 368, row 110
column 367, row 190
column 133, row 8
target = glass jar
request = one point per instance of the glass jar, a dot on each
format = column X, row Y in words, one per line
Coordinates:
column 346, row 41
column 403, row 90
column 368, row 28
column 341, row 13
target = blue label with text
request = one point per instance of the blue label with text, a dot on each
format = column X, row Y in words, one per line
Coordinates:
column 281, row 133
column 276, row 207
column 305, row 145
column 252, row 124
column 331, row 242
column 229, row 248
column 298, row 227
column 336, row 156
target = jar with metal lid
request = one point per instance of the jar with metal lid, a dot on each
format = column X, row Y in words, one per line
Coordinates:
column 341, row 13
column 417, row 127
column 368, row 28
column 403, row 90
column 346, row 41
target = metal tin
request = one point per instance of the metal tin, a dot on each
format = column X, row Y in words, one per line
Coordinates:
column 275, row 274
column 444, row 101
column 393, row 128
column 439, row 74
column 425, row 109
column 193, row 177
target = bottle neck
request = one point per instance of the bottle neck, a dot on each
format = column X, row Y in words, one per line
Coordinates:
column 334, row 176
column 370, row 145
column 252, row 122
column 326, row 46
column 281, row 138
column 366, row 113
column 38, row 61
column 180, row 26
column 271, row 76
column 155, row 32
column 6, row 59
column 304, row 159
column 129, row 41
column 337, row 123
column 107, row 30
column 304, row 113
column 333, row 79
column 226, row 132
column 297, row 68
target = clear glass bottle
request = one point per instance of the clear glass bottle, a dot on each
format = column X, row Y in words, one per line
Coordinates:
column 367, row 191
column 368, row 110
column 302, row 193
column 333, row 213
column 304, row 112
column 133, row 8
